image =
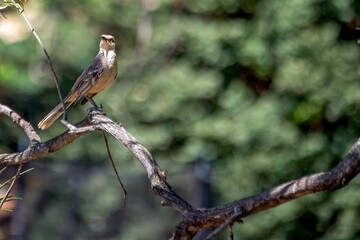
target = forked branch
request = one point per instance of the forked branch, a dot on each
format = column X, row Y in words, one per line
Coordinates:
column 194, row 219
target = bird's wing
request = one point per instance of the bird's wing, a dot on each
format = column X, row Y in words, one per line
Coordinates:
column 88, row 78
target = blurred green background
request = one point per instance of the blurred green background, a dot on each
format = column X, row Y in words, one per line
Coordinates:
column 231, row 97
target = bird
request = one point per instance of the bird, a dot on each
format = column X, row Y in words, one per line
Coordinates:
column 96, row 77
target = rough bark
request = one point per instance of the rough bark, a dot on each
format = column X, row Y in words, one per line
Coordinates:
column 194, row 219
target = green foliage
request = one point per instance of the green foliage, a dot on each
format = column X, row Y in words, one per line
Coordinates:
column 265, row 91
column 8, row 3
column 9, row 198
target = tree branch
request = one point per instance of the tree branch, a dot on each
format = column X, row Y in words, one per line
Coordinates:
column 17, row 175
column 228, row 222
column 20, row 8
column 36, row 148
column 331, row 180
column 26, row 126
column 194, row 219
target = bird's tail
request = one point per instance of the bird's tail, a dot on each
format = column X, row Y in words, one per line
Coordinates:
column 49, row 119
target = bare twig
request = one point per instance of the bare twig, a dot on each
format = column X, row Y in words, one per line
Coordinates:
column 22, row 12
column 113, row 165
column 224, row 225
column 73, row 129
column 11, row 185
column 231, row 234
column 9, row 181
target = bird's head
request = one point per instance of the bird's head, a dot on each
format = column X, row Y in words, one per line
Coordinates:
column 107, row 42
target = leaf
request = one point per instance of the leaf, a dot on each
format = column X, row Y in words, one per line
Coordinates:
column 6, row 210
column 5, row 5
column 26, row 171
column 22, row 4
column 13, row 198
column 2, row 170
column 8, row 181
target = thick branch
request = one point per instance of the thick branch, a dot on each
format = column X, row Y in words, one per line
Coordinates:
column 331, row 180
column 194, row 220
column 97, row 121
column 36, row 148
column 157, row 178
column 26, row 126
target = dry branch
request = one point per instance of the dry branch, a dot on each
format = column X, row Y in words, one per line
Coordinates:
column 36, row 148
column 194, row 219
column 20, row 8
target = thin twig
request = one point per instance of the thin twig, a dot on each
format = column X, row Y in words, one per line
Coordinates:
column 21, row 10
column 231, row 232
column 224, row 225
column 73, row 129
column 113, row 165
column 12, row 185
column 8, row 181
